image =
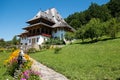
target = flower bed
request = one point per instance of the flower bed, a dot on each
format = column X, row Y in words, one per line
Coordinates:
column 21, row 71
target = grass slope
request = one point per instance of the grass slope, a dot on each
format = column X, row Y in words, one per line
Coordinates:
column 4, row 56
column 96, row 61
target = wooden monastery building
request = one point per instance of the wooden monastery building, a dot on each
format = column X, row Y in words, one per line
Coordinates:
column 44, row 25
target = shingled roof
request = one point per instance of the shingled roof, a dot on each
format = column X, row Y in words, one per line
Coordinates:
column 54, row 16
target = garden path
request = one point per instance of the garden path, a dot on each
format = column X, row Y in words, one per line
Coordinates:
column 46, row 73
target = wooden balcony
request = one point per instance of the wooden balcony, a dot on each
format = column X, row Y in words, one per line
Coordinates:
column 46, row 35
column 43, row 34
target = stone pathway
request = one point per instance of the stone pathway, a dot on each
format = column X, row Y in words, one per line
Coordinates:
column 47, row 73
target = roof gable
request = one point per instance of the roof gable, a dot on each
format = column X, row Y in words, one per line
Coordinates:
column 53, row 16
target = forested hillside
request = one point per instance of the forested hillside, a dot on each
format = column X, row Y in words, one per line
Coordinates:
column 103, row 12
column 97, row 21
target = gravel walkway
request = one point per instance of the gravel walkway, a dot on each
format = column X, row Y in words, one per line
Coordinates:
column 47, row 73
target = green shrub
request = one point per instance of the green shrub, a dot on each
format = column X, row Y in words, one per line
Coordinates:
column 11, row 68
column 46, row 46
column 57, row 49
column 34, row 77
column 32, row 50
column 55, row 41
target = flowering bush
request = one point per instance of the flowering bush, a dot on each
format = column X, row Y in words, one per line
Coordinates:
column 20, row 71
column 11, row 63
column 31, row 75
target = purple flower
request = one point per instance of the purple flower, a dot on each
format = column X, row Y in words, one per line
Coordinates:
column 23, row 79
column 26, row 74
column 35, row 73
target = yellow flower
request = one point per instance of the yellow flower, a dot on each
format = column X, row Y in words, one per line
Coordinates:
column 30, row 63
column 26, row 56
column 15, row 53
column 13, row 56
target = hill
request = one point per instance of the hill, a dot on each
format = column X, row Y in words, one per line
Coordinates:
column 103, row 12
column 96, row 61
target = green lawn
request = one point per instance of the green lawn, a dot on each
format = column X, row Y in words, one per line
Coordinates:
column 96, row 61
column 4, row 56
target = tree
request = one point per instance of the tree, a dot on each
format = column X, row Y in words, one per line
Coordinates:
column 118, row 24
column 2, row 42
column 97, row 11
column 93, row 28
column 72, row 16
column 82, row 18
column 75, row 23
column 103, row 28
column 77, row 19
column 80, row 33
column 69, row 35
column 15, row 40
column 114, row 6
column 112, row 28
column 104, row 13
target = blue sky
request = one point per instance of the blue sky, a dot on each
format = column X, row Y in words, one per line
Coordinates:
column 15, row 13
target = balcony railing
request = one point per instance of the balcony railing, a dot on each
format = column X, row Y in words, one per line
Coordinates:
column 43, row 34
column 47, row 35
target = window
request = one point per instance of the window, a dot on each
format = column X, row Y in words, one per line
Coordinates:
column 30, row 31
column 42, row 29
column 33, row 40
column 38, row 30
column 58, row 29
column 33, row 31
column 29, row 40
column 44, row 39
column 61, row 29
column 37, row 39
column 55, row 30
column 62, row 36
column 25, row 43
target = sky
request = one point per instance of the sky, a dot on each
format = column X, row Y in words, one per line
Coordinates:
column 15, row 13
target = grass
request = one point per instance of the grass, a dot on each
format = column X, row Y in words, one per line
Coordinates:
column 96, row 61
column 3, row 56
